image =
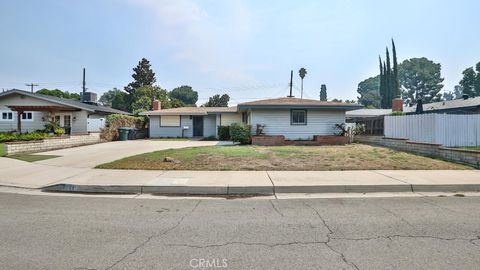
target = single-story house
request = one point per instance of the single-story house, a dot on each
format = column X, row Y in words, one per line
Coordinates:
column 294, row 118
column 26, row 112
column 464, row 105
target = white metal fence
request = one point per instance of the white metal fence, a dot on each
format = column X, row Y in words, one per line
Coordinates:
column 446, row 129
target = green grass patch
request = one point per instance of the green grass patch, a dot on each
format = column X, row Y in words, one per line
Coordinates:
column 2, row 149
column 32, row 158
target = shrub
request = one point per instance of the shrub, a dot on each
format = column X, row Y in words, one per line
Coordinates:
column 12, row 137
column 224, row 133
column 115, row 121
column 59, row 131
column 241, row 133
column 397, row 113
column 50, row 127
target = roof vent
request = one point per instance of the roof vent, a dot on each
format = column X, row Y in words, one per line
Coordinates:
column 465, row 96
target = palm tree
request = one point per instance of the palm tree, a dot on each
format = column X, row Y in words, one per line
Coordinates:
column 302, row 72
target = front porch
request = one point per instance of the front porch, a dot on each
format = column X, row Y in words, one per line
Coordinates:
column 62, row 116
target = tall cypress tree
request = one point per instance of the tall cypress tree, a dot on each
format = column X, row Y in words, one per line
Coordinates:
column 382, row 84
column 389, row 82
column 385, row 87
column 396, row 84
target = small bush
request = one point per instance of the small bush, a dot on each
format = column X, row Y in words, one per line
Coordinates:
column 13, row 137
column 397, row 113
column 115, row 121
column 59, row 131
column 224, row 133
column 51, row 126
column 241, row 133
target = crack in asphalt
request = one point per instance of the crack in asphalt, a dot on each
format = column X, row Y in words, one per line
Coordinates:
column 390, row 237
column 329, row 238
column 247, row 244
column 149, row 238
column 275, row 208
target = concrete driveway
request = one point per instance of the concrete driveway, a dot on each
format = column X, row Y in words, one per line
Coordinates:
column 92, row 155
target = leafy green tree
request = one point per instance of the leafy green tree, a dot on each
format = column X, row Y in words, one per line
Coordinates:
column 59, row 93
column 369, row 91
column 145, row 95
column 471, row 81
column 143, row 75
column 116, row 99
column 477, row 80
column 448, row 95
column 468, row 82
column 185, row 94
column 323, row 92
column 420, row 78
column 302, row 72
column 218, row 101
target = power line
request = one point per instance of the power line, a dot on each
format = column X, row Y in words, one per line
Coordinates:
column 31, row 86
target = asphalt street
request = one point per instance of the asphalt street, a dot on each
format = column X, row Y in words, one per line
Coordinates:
column 55, row 232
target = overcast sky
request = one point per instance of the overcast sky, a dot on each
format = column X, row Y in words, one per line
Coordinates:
column 243, row 48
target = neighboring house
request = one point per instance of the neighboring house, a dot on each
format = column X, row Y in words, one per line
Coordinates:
column 293, row 118
column 30, row 111
column 465, row 105
column 373, row 119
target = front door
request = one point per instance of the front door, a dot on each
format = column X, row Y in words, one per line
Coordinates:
column 198, row 126
column 64, row 121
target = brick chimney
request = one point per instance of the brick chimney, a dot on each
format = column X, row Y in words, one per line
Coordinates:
column 397, row 105
column 157, row 105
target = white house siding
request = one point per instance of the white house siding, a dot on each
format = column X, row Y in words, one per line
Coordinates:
column 27, row 126
column 277, row 122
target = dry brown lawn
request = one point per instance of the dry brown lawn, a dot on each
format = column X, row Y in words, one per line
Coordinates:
column 291, row 158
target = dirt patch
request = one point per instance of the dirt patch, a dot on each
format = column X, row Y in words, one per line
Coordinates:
column 281, row 158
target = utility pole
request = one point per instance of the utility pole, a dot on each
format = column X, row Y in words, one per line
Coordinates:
column 84, row 89
column 31, row 86
column 291, row 83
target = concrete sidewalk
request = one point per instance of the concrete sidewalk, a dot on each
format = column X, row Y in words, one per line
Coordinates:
column 56, row 178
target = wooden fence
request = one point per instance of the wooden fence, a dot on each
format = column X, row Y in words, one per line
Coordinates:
column 451, row 130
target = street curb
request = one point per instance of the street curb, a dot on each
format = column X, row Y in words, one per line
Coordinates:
column 258, row 190
column 180, row 190
column 446, row 188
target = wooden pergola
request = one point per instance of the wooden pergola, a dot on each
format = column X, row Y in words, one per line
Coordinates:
column 40, row 108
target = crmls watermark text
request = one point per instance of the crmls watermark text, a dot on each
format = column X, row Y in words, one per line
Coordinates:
column 201, row 263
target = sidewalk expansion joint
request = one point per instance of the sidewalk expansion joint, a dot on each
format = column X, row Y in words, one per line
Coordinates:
column 273, row 185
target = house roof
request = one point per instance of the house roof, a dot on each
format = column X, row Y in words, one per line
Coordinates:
column 287, row 102
column 65, row 102
column 447, row 105
column 192, row 111
column 365, row 113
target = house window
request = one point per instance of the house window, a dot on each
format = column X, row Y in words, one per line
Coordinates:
column 298, row 117
column 7, row 116
column 170, row 120
column 245, row 117
column 27, row 116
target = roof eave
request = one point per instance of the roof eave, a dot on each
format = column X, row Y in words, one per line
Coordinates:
column 320, row 107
